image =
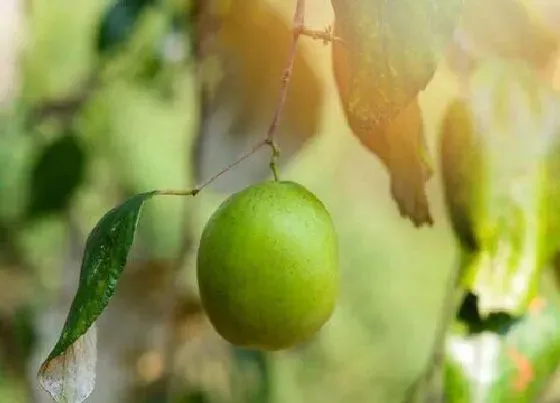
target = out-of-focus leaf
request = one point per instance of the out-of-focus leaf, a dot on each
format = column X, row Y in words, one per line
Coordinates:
column 68, row 373
column 140, row 56
column 499, row 156
column 56, row 175
column 546, row 13
column 511, row 365
column 16, row 155
column 118, row 23
column 389, row 52
column 512, row 29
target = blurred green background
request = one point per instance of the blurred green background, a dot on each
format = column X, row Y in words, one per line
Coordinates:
column 86, row 123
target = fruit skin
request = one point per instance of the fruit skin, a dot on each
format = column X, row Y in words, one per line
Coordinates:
column 268, row 266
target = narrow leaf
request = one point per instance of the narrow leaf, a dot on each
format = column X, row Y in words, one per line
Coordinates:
column 499, row 156
column 388, row 54
column 68, row 373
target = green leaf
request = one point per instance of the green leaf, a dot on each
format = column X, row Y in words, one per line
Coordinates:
column 388, row 54
column 499, row 156
column 68, row 373
column 54, row 183
column 118, row 23
column 512, row 364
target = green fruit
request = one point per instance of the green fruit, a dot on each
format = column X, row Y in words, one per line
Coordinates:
column 268, row 267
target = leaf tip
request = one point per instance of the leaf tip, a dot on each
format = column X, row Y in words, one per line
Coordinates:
column 69, row 377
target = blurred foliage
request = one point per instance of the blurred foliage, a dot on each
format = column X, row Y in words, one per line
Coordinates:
column 499, row 182
column 53, row 184
column 502, row 197
column 508, row 360
column 118, row 22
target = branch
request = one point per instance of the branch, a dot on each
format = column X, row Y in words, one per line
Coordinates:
column 270, row 139
column 326, row 35
column 297, row 29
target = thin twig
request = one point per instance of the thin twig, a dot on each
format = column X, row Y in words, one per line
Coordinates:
column 326, row 35
column 297, row 29
column 196, row 190
column 288, row 70
column 270, row 139
column 252, row 151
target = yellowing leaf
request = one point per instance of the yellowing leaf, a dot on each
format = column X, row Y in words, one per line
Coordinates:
column 70, row 377
column 388, row 53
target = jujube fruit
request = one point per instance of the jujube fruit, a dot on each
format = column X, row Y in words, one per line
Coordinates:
column 268, row 266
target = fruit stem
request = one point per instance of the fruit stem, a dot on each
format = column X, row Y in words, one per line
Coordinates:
column 171, row 192
column 256, row 147
column 274, row 154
